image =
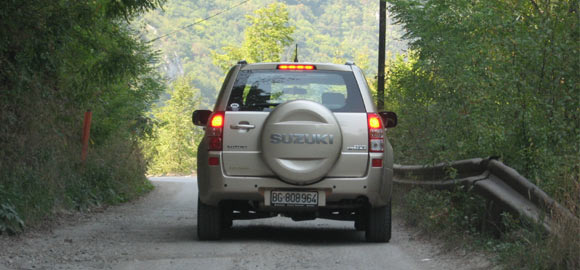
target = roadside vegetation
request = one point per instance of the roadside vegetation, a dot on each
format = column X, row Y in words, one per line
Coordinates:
column 491, row 78
column 60, row 59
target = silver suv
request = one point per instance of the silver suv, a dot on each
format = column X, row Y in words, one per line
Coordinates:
column 302, row 140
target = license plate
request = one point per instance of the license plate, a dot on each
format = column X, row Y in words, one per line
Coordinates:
column 294, row 198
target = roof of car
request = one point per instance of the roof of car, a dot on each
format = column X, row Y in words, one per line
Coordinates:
column 319, row 66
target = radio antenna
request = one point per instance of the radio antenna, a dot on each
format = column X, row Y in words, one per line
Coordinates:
column 296, row 54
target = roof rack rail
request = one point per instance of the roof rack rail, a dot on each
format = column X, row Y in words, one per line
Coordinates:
column 350, row 63
column 242, row 62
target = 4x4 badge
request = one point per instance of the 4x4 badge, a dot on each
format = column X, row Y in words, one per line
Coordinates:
column 297, row 138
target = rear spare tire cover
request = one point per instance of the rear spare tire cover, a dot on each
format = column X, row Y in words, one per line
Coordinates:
column 301, row 140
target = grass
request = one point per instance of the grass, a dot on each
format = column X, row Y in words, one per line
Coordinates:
column 462, row 219
column 41, row 181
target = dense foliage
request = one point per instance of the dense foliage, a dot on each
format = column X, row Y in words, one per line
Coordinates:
column 493, row 78
column 59, row 59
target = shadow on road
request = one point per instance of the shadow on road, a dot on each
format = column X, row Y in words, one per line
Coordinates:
column 292, row 235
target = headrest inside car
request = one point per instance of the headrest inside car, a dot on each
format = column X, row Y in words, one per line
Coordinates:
column 333, row 100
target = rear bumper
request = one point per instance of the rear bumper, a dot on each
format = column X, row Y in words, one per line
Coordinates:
column 215, row 186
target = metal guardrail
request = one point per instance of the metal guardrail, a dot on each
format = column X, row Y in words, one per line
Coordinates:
column 496, row 182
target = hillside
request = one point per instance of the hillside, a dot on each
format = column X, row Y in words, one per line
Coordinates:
column 325, row 31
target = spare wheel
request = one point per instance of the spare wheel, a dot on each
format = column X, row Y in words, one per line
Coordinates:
column 301, row 140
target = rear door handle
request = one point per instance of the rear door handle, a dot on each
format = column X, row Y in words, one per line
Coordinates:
column 242, row 126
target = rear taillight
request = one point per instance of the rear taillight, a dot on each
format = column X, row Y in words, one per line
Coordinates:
column 215, row 132
column 217, row 121
column 376, row 132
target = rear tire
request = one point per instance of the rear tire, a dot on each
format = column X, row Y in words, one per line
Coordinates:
column 209, row 221
column 378, row 228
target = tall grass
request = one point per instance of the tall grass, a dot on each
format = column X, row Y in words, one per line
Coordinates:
column 463, row 220
column 46, row 178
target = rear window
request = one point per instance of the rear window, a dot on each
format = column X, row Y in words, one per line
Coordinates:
column 263, row 90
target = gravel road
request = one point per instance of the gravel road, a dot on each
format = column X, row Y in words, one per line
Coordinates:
column 158, row 232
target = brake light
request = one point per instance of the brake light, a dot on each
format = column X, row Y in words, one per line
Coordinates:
column 215, row 131
column 296, row 67
column 217, row 121
column 374, row 122
column 376, row 133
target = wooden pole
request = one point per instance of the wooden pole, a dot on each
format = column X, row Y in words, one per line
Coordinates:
column 381, row 71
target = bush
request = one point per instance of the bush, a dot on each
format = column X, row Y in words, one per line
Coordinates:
column 463, row 219
column 448, row 213
column 59, row 59
column 491, row 78
column 10, row 221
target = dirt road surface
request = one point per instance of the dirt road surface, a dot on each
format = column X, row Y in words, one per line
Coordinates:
column 159, row 232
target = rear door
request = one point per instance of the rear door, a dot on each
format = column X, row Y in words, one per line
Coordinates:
column 257, row 92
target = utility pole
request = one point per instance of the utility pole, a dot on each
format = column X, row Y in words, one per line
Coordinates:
column 381, row 71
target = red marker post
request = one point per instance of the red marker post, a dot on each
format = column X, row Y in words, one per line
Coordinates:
column 86, row 134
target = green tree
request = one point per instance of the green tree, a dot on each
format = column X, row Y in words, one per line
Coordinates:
column 502, row 79
column 174, row 145
column 264, row 40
